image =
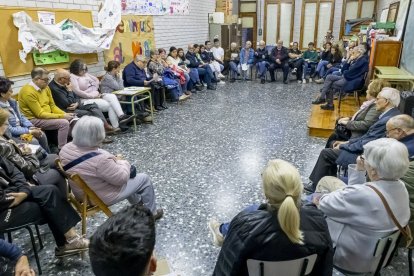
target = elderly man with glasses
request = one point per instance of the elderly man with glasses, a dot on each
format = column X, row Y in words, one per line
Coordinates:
column 344, row 154
column 37, row 105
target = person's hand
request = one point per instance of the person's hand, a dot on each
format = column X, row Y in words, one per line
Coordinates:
column 23, row 268
column 37, row 133
column 119, row 157
column 360, row 163
column 68, row 116
column 73, row 106
column 18, row 198
column 69, row 87
column 278, row 61
column 316, row 198
column 329, row 65
column 343, row 121
column 147, row 82
column 337, row 144
column 25, row 149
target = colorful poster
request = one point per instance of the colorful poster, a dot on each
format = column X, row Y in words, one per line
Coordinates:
column 179, row 7
column 145, row 7
column 134, row 36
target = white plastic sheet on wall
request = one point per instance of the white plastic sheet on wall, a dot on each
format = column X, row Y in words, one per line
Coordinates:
column 271, row 21
column 285, row 22
column 309, row 24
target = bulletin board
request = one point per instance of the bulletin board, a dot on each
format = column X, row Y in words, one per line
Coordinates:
column 10, row 46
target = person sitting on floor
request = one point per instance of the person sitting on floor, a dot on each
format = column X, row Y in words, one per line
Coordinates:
column 325, row 56
column 232, row 60
column 68, row 101
column 37, row 105
column 356, row 215
column 204, row 72
column 246, row 60
column 278, row 230
column 333, row 64
column 22, row 204
column 352, row 78
column 18, row 123
column 311, row 58
column 357, row 125
column 124, row 244
column 346, row 153
column 111, row 177
column 296, row 61
column 13, row 253
column 86, row 86
column 279, row 59
column 261, row 58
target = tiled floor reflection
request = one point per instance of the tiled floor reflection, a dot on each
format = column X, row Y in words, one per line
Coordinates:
column 205, row 158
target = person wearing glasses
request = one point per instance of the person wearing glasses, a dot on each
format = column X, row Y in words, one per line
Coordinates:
column 355, row 213
column 346, row 153
column 37, row 105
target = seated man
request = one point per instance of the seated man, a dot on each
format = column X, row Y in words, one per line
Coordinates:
column 232, row 58
column 261, row 57
column 203, row 71
column 346, row 153
column 311, row 58
column 208, row 56
column 352, row 77
column 218, row 52
column 296, row 61
column 246, row 60
column 37, row 105
column 68, row 101
column 124, row 244
column 279, row 59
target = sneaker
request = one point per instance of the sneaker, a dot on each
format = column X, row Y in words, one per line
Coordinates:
column 294, row 71
column 214, row 227
column 221, row 82
column 232, row 80
column 327, row 107
column 308, row 187
column 124, row 119
column 310, row 80
column 221, row 76
column 159, row 214
column 299, row 81
column 262, row 81
column 73, row 246
column 183, row 97
column 318, row 100
column 211, row 87
column 320, row 81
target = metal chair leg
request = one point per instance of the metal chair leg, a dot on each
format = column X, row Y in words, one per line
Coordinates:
column 32, row 239
column 410, row 261
column 9, row 237
column 38, row 236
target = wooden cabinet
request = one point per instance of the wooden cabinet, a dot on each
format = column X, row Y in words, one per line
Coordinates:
column 384, row 53
column 227, row 33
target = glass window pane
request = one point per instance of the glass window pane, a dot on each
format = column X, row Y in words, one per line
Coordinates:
column 351, row 11
column 271, row 25
column 367, row 9
column 384, row 15
column 324, row 21
column 248, row 7
column 309, row 17
column 285, row 20
column 247, row 22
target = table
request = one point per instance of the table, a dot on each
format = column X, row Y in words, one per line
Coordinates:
column 134, row 92
column 395, row 76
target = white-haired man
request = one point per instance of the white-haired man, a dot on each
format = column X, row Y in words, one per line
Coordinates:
column 262, row 61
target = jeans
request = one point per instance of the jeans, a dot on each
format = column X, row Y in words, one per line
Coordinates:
column 205, row 74
column 261, row 68
column 224, row 227
column 187, row 85
column 320, row 69
column 233, row 69
column 194, row 76
column 298, row 64
column 309, row 64
column 330, row 71
column 247, row 73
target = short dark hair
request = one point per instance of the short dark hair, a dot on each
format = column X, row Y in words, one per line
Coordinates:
column 311, row 43
column 216, row 40
column 172, row 48
column 123, row 244
column 113, row 64
column 207, row 41
column 196, row 46
column 76, row 66
column 5, row 85
column 38, row 72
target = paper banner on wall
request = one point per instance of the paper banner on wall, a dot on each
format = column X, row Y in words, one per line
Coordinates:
column 134, row 36
column 179, row 7
column 155, row 7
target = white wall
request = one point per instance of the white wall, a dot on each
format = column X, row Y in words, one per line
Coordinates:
column 169, row 30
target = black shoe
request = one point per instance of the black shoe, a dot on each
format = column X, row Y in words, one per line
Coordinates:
column 159, row 108
column 285, row 82
column 163, row 106
column 232, row 80
column 159, row 214
column 211, row 87
column 319, row 100
column 200, row 87
column 272, row 80
column 308, row 187
column 327, row 107
column 262, row 81
column 124, row 119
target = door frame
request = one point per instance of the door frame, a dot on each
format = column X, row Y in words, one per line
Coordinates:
column 254, row 15
column 292, row 18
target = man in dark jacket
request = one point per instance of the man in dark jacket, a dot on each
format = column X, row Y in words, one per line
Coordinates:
column 346, row 153
column 352, row 78
column 204, row 72
column 279, row 59
column 261, row 58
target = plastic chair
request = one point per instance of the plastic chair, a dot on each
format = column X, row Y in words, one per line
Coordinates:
column 297, row 267
column 90, row 203
column 384, row 251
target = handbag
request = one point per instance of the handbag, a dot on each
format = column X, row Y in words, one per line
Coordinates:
column 342, row 132
column 405, row 231
column 132, row 171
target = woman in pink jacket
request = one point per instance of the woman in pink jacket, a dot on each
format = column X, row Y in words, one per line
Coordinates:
column 111, row 177
column 86, row 87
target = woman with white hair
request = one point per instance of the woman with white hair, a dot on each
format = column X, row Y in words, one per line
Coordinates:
column 278, row 230
column 110, row 176
column 353, row 72
column 356, row 215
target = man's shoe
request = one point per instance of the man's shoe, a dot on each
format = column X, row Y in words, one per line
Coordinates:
column 211, row 87
column 158, row 108
column 308, row 187
column 164, row 106
column 232, row 80
column 272, row 80
column 327, row 107
column 285, row 82
column 124, row 119
column 262, row 81
column 199, row 88
column 299, row 82
column 74, row 246
column 319, row 100
column 159, row 214
column 214, row 227
column 310, row 80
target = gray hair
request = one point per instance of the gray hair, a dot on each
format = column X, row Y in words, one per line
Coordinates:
column 140, row 58
column 388, row 157
column 361, row 49
column 233, row 44
column 38, row 72
column 391, row 94
column 403, row 121
column 88, row 132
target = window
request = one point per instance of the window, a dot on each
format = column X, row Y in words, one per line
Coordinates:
column 247, row 14
column 279, row 16
column 353, row 9
column 317, row 18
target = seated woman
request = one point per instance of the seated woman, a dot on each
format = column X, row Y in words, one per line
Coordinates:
column 359, row 123
column 333, row 65
column 192, row 72
column 279, row 230
column 111, row 177
column 86, row 87
column 352, row 78
column 232, row 57
column 21, row 204
column 174, row 62
column 36, row 166
column 18, row 123
column 356, row 215
column 246, row 60
column 325, row 57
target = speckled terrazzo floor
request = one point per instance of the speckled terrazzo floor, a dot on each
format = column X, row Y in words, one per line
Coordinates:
column 205, row 157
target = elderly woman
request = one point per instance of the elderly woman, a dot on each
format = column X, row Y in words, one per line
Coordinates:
column 357, row 125
column 111, row 177
column 356, row 216
column 86, row 86
column 18, row 123
column 352, row 78
column 278, row 230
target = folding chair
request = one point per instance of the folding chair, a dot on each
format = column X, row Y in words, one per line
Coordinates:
column 297, row 267
column 90, row 203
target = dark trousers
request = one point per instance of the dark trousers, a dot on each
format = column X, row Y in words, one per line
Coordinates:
column 325, row 166
column 90, row 110
column 157, row 95
column 204, row 74
column 298, row 64
column 274, row 66
column 45, row 203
